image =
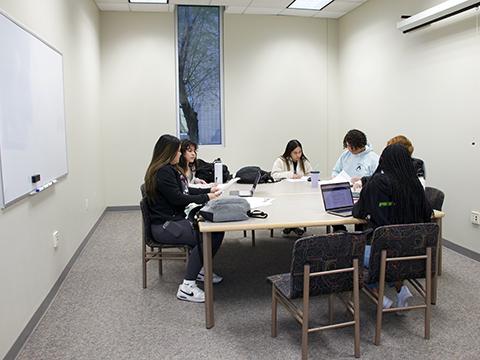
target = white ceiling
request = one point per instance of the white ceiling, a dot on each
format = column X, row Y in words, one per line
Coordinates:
column 335, row 10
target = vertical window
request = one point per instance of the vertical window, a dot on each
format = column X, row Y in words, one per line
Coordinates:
column 199, row 90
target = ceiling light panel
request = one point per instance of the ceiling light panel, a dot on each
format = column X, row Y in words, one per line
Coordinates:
column 309, row 4
column 148, row 1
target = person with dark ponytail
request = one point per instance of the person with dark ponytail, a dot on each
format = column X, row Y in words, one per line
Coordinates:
column 393, row 195
column 168, row 194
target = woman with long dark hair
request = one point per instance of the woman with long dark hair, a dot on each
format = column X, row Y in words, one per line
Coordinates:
column 293, row 164
column 168, row 194
column 393, row 195
column 188, row 161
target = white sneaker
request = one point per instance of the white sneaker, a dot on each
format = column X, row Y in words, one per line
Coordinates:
column 387, row 303
column 216, row 278
column 190, row 293
column 403, row 296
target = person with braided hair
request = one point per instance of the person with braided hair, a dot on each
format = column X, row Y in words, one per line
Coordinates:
column 393, row 195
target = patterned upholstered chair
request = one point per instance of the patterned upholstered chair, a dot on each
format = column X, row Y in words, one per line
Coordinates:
column 398, row 253
column 321, row 265
column 152, row 250
column 436, row 197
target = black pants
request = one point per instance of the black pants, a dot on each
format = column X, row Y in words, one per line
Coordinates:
column 184, row 234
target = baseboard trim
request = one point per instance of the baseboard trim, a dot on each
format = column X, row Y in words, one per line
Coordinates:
column 42, row 309
column 461, row 250
column 123, row 208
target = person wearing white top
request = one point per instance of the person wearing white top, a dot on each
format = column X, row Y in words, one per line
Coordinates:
column 293, row 164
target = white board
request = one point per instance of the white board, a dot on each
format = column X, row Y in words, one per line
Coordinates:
column 32, row 112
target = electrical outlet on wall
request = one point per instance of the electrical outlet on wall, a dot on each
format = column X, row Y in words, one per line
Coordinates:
column 475, row 217
column 55, row 238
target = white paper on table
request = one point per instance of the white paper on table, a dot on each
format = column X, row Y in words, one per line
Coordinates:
column 221, row 187
column 340, row 178
column 226, row 186
column 200, row 186
column 256, row 202
column 302, row 179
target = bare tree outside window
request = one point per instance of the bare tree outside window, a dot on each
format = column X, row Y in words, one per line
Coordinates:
column 199, row 88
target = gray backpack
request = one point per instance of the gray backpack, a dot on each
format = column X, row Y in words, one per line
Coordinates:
column 230, row 208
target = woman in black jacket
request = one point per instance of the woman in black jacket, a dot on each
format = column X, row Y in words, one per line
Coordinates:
column 393, row 195
column 168, row 194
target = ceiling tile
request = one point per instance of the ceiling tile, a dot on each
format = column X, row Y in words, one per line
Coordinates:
column 190, row 2
column 329, row 14
column 149, row 7
column 113, row 1
column 295, row 12
column 235, row 9
column 262, row 11
column 113, row 6
column 262, row 7
column 229, row 3
column 277, row 4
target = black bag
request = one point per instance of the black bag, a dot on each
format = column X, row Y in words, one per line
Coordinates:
column 206, row 171
column 248, row 174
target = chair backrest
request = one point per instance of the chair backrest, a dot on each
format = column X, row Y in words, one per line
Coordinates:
column 147, row 225
column 402, row 240
column 435, row 197
column 324, row 253
column 143, row 191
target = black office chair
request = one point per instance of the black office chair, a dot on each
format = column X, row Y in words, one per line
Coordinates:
column 155, row 249
column 435, row 197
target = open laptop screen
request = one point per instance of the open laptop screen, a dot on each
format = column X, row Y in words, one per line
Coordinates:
column 257, row 179
column 336, row 196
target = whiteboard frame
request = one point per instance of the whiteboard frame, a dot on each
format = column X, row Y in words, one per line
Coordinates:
column 3, row 204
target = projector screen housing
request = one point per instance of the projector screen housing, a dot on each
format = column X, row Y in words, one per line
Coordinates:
column 436, row 13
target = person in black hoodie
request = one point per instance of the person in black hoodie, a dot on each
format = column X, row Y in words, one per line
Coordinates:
column 168, row 194
column 393, row 195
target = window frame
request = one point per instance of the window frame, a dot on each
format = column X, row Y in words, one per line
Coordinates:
column 221, row 12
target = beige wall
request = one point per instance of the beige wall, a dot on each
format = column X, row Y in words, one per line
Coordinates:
column 278, row 72
column 29, row 265
column 425, row 85
column 285, row 77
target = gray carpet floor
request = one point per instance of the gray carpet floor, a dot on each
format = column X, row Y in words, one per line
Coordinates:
column 102, row 312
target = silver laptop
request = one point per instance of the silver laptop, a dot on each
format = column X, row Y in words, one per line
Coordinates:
column 337, row 198
column 249, row 193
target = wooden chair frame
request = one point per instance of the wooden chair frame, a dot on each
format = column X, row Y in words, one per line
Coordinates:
column 155, row 250
column 302, row 315
column 425, row 292
column 157, row 253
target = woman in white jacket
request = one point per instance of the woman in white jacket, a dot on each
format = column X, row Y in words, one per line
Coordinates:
column 293, row 164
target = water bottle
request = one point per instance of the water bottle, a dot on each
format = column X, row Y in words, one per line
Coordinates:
column 218, row 173
column 314, row 177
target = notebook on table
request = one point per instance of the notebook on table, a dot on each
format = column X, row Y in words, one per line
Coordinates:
column 337, row 198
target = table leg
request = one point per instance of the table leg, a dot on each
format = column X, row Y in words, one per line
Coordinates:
column 208, row 284
column 438, row 262
column 440, row 247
